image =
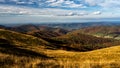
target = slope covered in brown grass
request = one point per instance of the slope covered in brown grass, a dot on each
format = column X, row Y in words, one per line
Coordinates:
column 25, row 51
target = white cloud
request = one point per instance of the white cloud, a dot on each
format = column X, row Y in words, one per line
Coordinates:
column 105, row 10
column 18, row 10
column 70, row 3
column 110, row 4
column 15, row 0
column 84, row 3
column 94, row 2
column 71, row 14
column 105, row 6
column 63, row 3
column 104, row 3
column 83, row 13
column 21, row 2
column 49, row 1
column 97, row 13
column 45, row 11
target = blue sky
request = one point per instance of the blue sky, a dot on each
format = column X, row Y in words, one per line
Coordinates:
column 58, row 10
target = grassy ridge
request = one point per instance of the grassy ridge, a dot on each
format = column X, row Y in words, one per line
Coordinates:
column 20, row 39
column 21, row 51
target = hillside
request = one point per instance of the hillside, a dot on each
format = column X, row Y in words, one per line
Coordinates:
column 2, row 27
column 20, row 39
column 83, row 42
column 48, row 33
column 31, row 28
column 25, row 51
column 102, row 31
column 38, row 30
column 14, row 56
column 20, row 50
column 72, row 41
column 102, row 58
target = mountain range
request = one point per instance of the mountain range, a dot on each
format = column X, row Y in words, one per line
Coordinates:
column 73, row 39
column 74, row 25
column 102, row 31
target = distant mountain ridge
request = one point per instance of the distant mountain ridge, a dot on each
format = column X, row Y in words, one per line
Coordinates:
column 38, row 30
column 2, row 27
column 102, row 31
column 68, row 26
column 54, row 30
column 74, row 26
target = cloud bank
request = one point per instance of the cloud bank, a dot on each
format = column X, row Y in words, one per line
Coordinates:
column 61, row 8
column 65, row 3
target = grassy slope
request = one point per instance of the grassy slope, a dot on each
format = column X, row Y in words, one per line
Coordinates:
column 21, row 51
column 83, row 42
column 31, row 55
column 20, row 39
column 103, row 58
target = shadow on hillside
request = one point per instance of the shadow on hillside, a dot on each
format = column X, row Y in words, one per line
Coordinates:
column 55, row 44
column 7, row 48
column 53, row 41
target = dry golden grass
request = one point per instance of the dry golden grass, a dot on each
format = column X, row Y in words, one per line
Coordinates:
column 103, row 58
column 36, row 56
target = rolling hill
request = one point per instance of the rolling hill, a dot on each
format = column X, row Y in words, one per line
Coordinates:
column 31, row 27
column 38, row 31
column 24, row 51
column 83, row 42
column 19, row 50
column 102, row 31
column 102, row 58
column 2, row 27
column 48, row 33
column 58, row 38
column 20, row 39
column 75, row 25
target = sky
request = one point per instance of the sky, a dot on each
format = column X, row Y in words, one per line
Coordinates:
column 45, row 11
